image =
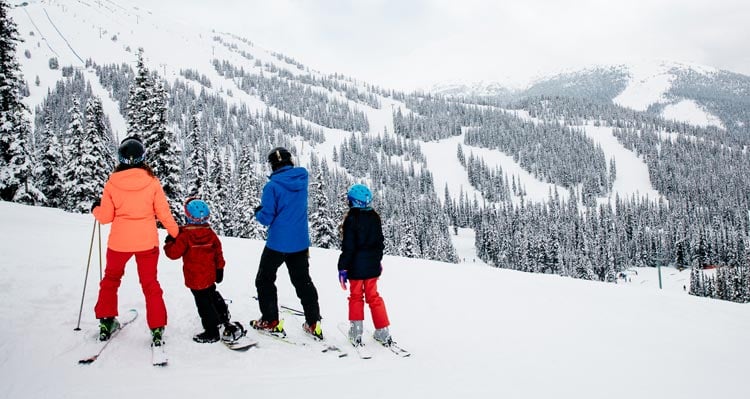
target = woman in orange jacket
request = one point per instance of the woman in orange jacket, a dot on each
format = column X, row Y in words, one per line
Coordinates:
column 132, row 200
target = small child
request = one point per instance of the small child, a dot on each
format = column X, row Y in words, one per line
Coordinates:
column 202, row 265
column 361, row 252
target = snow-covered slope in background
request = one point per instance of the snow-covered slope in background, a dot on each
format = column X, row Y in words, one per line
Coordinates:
column 689, row 111
column 474, row 331
column 648, row 84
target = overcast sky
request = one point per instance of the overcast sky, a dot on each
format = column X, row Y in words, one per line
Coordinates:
column 407, row 44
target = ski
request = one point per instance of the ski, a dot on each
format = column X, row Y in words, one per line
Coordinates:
column 361, row 350
column 326, row 346
column 281, row 337
column 397, row 350
column 159, row 355
column 128, row 318
column 393, row 347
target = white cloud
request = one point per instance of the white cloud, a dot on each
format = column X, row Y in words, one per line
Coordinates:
column 409, row 43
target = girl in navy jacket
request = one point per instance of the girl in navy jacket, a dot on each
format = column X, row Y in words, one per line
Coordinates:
column 361, row 253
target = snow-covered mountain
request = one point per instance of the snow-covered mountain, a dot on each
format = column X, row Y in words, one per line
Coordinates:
column 473, row 331
column 695, row 94
column 436, row 163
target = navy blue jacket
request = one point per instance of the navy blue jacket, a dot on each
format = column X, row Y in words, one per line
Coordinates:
column 362, row 244
column 284, row 210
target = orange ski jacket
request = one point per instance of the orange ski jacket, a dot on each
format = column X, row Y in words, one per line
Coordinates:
column 132, row 201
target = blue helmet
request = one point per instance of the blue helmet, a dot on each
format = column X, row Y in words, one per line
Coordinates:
column 196, row 211
column 359, row 196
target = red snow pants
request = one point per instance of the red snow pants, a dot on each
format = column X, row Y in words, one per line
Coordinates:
column 367, row 290
column 106, row 305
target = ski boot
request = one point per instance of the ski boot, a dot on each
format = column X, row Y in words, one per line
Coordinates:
column 107, row 326
column 207, row 337
column 157, row 336
column 355, row 332
column 275, row 327
column 383, row 336
column 314, row 330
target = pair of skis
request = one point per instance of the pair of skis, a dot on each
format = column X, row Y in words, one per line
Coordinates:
column 362, row 351
column 325, row 345
column 158, row 353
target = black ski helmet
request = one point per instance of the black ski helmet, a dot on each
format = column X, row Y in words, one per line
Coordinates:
column 279, row 157
column 131, row 151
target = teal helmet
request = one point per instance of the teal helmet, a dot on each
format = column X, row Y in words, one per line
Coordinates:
column 359, row 196
column 196, row 211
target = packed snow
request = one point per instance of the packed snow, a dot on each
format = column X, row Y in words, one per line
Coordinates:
column 689, row 111
column 473, row 330
column 649, row 83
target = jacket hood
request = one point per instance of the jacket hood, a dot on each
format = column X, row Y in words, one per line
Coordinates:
column 291, row 178
column 131, row 179
column 199, row 234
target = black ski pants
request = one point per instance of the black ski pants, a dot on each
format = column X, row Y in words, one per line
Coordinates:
column 212, row 308
column 299, row 274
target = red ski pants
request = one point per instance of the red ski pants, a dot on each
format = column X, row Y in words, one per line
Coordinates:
column 362, row 291
column 106, row 305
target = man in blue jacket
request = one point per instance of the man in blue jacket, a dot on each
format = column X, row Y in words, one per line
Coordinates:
column 283, row 209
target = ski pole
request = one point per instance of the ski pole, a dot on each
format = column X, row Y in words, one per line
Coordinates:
column 85, row 279
column 100, row 250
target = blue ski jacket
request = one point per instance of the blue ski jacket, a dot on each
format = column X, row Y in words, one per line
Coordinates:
column 284, row 210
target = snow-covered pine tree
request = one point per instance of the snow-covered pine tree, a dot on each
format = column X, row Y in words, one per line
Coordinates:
column 139, row 109
column 196, row 175
column 21, row 166
column 227, row 217
column 216, row 187
column 162, row 150
column 101, row 157
column 322, row 226
column 16, row 162
column 81, row 185
column 247, row 198
column 51, row 176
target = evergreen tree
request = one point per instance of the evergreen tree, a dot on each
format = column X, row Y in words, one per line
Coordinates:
column 82, row 186
column 322, row 227
column 101, row 157
column 247, row 198
column 51, row 176
column 217, row 188
column 162, row 150
column 196, row 175
column 139, row 109
column 16, row 163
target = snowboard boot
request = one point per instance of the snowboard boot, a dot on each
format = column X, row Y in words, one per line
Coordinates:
column 232, row 332
column 107, row 326
column 314, row 330
column 383, row 336
column 207, row 337
column 355, row 332
column 275, row 327
column 157, row 336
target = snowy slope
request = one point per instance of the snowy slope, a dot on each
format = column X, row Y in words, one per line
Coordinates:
column 632, row 179
column 473, row 330
column 650, row 81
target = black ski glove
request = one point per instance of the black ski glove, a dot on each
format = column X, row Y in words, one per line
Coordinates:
column 219, row 275
column 168, row 239
column 96, row 203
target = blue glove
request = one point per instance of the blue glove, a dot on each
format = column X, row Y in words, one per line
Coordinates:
column 343, row 279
